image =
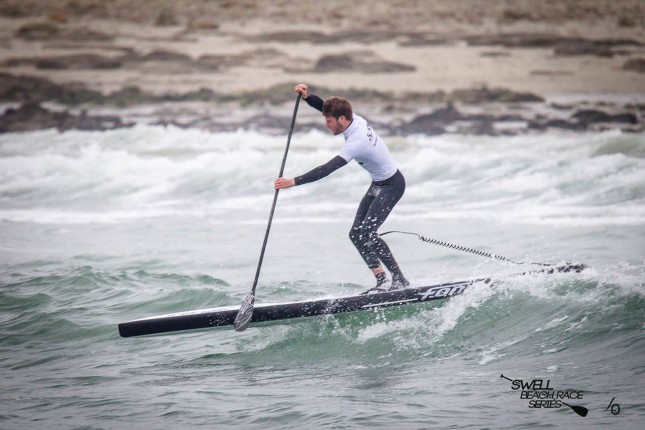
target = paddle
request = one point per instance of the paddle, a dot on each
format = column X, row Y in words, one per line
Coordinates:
column 245, row 313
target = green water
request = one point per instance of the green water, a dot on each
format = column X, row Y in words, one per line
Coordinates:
column 102, row 228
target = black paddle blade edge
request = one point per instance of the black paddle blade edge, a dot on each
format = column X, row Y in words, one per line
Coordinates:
column 245, row 313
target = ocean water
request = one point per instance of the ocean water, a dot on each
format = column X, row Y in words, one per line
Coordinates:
column 98, row 228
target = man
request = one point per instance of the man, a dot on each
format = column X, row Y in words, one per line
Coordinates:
column 368, row 149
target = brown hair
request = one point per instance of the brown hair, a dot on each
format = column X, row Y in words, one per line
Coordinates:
column 336, row 107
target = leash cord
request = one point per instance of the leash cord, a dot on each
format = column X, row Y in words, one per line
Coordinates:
column 463, row 248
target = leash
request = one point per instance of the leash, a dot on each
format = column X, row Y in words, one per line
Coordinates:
column 463, row 248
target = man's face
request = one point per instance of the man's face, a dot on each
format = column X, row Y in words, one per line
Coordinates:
column 336, row 125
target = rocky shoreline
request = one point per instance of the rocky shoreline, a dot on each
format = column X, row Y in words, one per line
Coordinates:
column 482, row 67
column 42, row 104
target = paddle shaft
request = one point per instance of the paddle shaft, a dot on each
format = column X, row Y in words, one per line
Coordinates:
column 275, row 197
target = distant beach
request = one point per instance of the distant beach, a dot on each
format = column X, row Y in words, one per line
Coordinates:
column 432, row 67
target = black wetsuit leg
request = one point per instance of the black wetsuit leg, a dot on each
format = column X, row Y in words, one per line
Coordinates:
column 376, row 205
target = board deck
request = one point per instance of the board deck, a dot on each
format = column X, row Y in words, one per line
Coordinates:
column 224, row 316
column 217, row 317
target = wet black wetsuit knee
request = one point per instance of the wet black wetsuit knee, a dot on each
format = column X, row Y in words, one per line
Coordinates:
column 376, row 205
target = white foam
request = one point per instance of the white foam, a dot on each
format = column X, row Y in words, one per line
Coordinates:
column 494, row 352
column 553, row 180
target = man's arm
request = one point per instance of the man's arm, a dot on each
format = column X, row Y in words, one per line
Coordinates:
column 321, row 171
column 315, row 102
column 313, row 175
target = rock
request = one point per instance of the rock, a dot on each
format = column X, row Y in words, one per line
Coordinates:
column 44, row 30
column 445, row 115
column 590, row 116
column 90, row 123
column 513, row 40
column 84, row 34
column 67, row 62
column 583, row 120
column 338, row 37
column 33, row 89
column 293, row 37
column 510, row 118
column 166, row 18
column 162, row 55
column 627, row 118
column 38, row 31
column 564, row 125
column 29, row 117
column 635, row 64
column 32, row 116
column 424, row 39
column 575, row 47
column 542, row 124
column 365, row 62
column 562, row 45
column 493, row 95
column 484, row 127
column 433, row 123
column 170, row 123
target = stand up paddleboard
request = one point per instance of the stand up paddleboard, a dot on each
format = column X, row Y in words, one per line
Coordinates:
column 225, row 316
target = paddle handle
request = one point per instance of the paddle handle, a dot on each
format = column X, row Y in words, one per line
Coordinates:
column 293, row 123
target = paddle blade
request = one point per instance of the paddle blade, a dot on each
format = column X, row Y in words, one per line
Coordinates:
column 245, row 313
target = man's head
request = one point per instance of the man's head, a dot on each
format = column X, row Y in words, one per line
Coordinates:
column 338, row 114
